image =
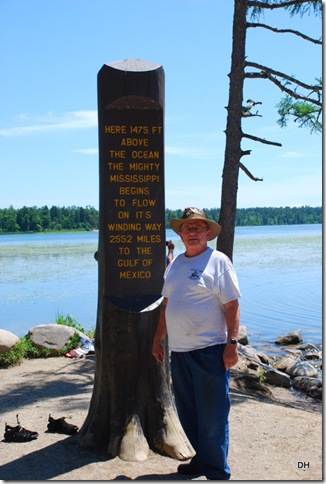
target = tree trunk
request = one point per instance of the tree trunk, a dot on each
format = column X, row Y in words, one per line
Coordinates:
column 232, row 157
column 132, row 407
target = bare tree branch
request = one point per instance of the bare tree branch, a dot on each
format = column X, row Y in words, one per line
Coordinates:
column 285, row 31
column 315, row 88
column 267, row 73
column 261, row 140
column 289, row 3
column 248, row 114
column 247, row 172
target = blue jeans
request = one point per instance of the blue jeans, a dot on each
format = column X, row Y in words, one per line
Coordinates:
column 201, row 390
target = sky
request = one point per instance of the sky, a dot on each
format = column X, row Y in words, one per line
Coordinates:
column 51, row 52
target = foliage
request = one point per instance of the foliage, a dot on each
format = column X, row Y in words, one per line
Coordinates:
column 261, row 375
column 72, row 323
column 69, row 321
column 262, row 215
column 247, row 216
column 305, row 113
column 23, row 349
column 33, row 219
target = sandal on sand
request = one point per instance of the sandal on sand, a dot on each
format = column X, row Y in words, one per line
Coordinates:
column 18, row 433
column 60, row 426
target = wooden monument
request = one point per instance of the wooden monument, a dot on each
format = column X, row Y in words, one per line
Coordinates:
column 132, row 408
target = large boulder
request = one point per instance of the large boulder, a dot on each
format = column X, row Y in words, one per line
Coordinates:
column 7, row 341
column 53, row 337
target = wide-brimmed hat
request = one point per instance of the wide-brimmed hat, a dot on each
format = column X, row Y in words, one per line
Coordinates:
column 193, row 213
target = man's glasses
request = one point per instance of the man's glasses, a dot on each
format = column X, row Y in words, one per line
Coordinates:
column 196, row 230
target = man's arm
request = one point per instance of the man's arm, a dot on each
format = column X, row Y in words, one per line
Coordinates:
column 232, row 312
column 158, row 349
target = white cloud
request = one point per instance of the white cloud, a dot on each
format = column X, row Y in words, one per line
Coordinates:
column 50, row 122
column 87, row 151
column 293, row 154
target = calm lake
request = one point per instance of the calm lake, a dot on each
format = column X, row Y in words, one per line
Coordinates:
column 279, row 270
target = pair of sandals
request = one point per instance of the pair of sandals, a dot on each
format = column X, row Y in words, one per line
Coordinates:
column 20, row 434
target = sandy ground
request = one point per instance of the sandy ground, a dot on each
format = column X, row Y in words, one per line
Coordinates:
column 278, row 439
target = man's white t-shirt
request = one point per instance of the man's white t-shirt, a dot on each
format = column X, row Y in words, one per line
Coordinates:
column 196, row 288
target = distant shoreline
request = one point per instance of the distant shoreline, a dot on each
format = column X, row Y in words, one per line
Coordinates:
column 167, row 228
column 58, row 219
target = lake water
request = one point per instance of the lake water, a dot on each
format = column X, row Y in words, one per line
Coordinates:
column 279, row 270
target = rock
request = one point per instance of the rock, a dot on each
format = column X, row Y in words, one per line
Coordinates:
column 307, row 346
column 263, row 358
column 293, row 351
column 311, row 386
column 250, row 383
column 243, row 335
column 53, row 337
column 7, row 341
column 303, row 368
column 292, row 338
column 248, row 352
column 286, row 363
column 276, row 377
column 311, row 355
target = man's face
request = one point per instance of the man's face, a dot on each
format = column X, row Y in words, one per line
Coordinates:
column 194, row 234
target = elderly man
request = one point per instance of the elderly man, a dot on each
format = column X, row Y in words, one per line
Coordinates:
column 201, row 316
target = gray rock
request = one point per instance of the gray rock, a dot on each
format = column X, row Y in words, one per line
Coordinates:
column 53, row 337
column 293, row 351
column 286, row 363
column 311, row 355
column 276, row 377
column 312, row 386
column 303, row 368
column 7, row 341
column 292, row 338
column 263, row 358
column 307, row 346
column 243, row 335
column 248, row 352
column 251, row 383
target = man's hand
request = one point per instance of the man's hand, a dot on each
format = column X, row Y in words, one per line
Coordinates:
column 230, row 356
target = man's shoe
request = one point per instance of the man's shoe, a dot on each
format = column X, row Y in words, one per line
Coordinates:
column 189, row 469
column 18, row 433
column 60, row 426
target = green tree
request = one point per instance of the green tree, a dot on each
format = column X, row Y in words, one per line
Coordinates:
column 302, row 97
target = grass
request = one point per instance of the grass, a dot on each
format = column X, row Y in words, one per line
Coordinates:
column 70, row 321
column 25, row 349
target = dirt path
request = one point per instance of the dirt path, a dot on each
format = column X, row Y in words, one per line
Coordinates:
column 278, row 439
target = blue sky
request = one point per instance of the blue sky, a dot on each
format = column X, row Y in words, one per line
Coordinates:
column 51, row 52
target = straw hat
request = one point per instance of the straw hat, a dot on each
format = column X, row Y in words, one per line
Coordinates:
column 193, row 213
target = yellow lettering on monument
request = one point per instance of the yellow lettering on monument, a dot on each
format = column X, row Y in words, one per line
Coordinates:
column 145, row 154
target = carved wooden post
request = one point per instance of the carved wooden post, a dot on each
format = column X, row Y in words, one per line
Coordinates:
column 132, row 408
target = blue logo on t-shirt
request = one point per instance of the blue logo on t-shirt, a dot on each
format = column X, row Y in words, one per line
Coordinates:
column 195, row 276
